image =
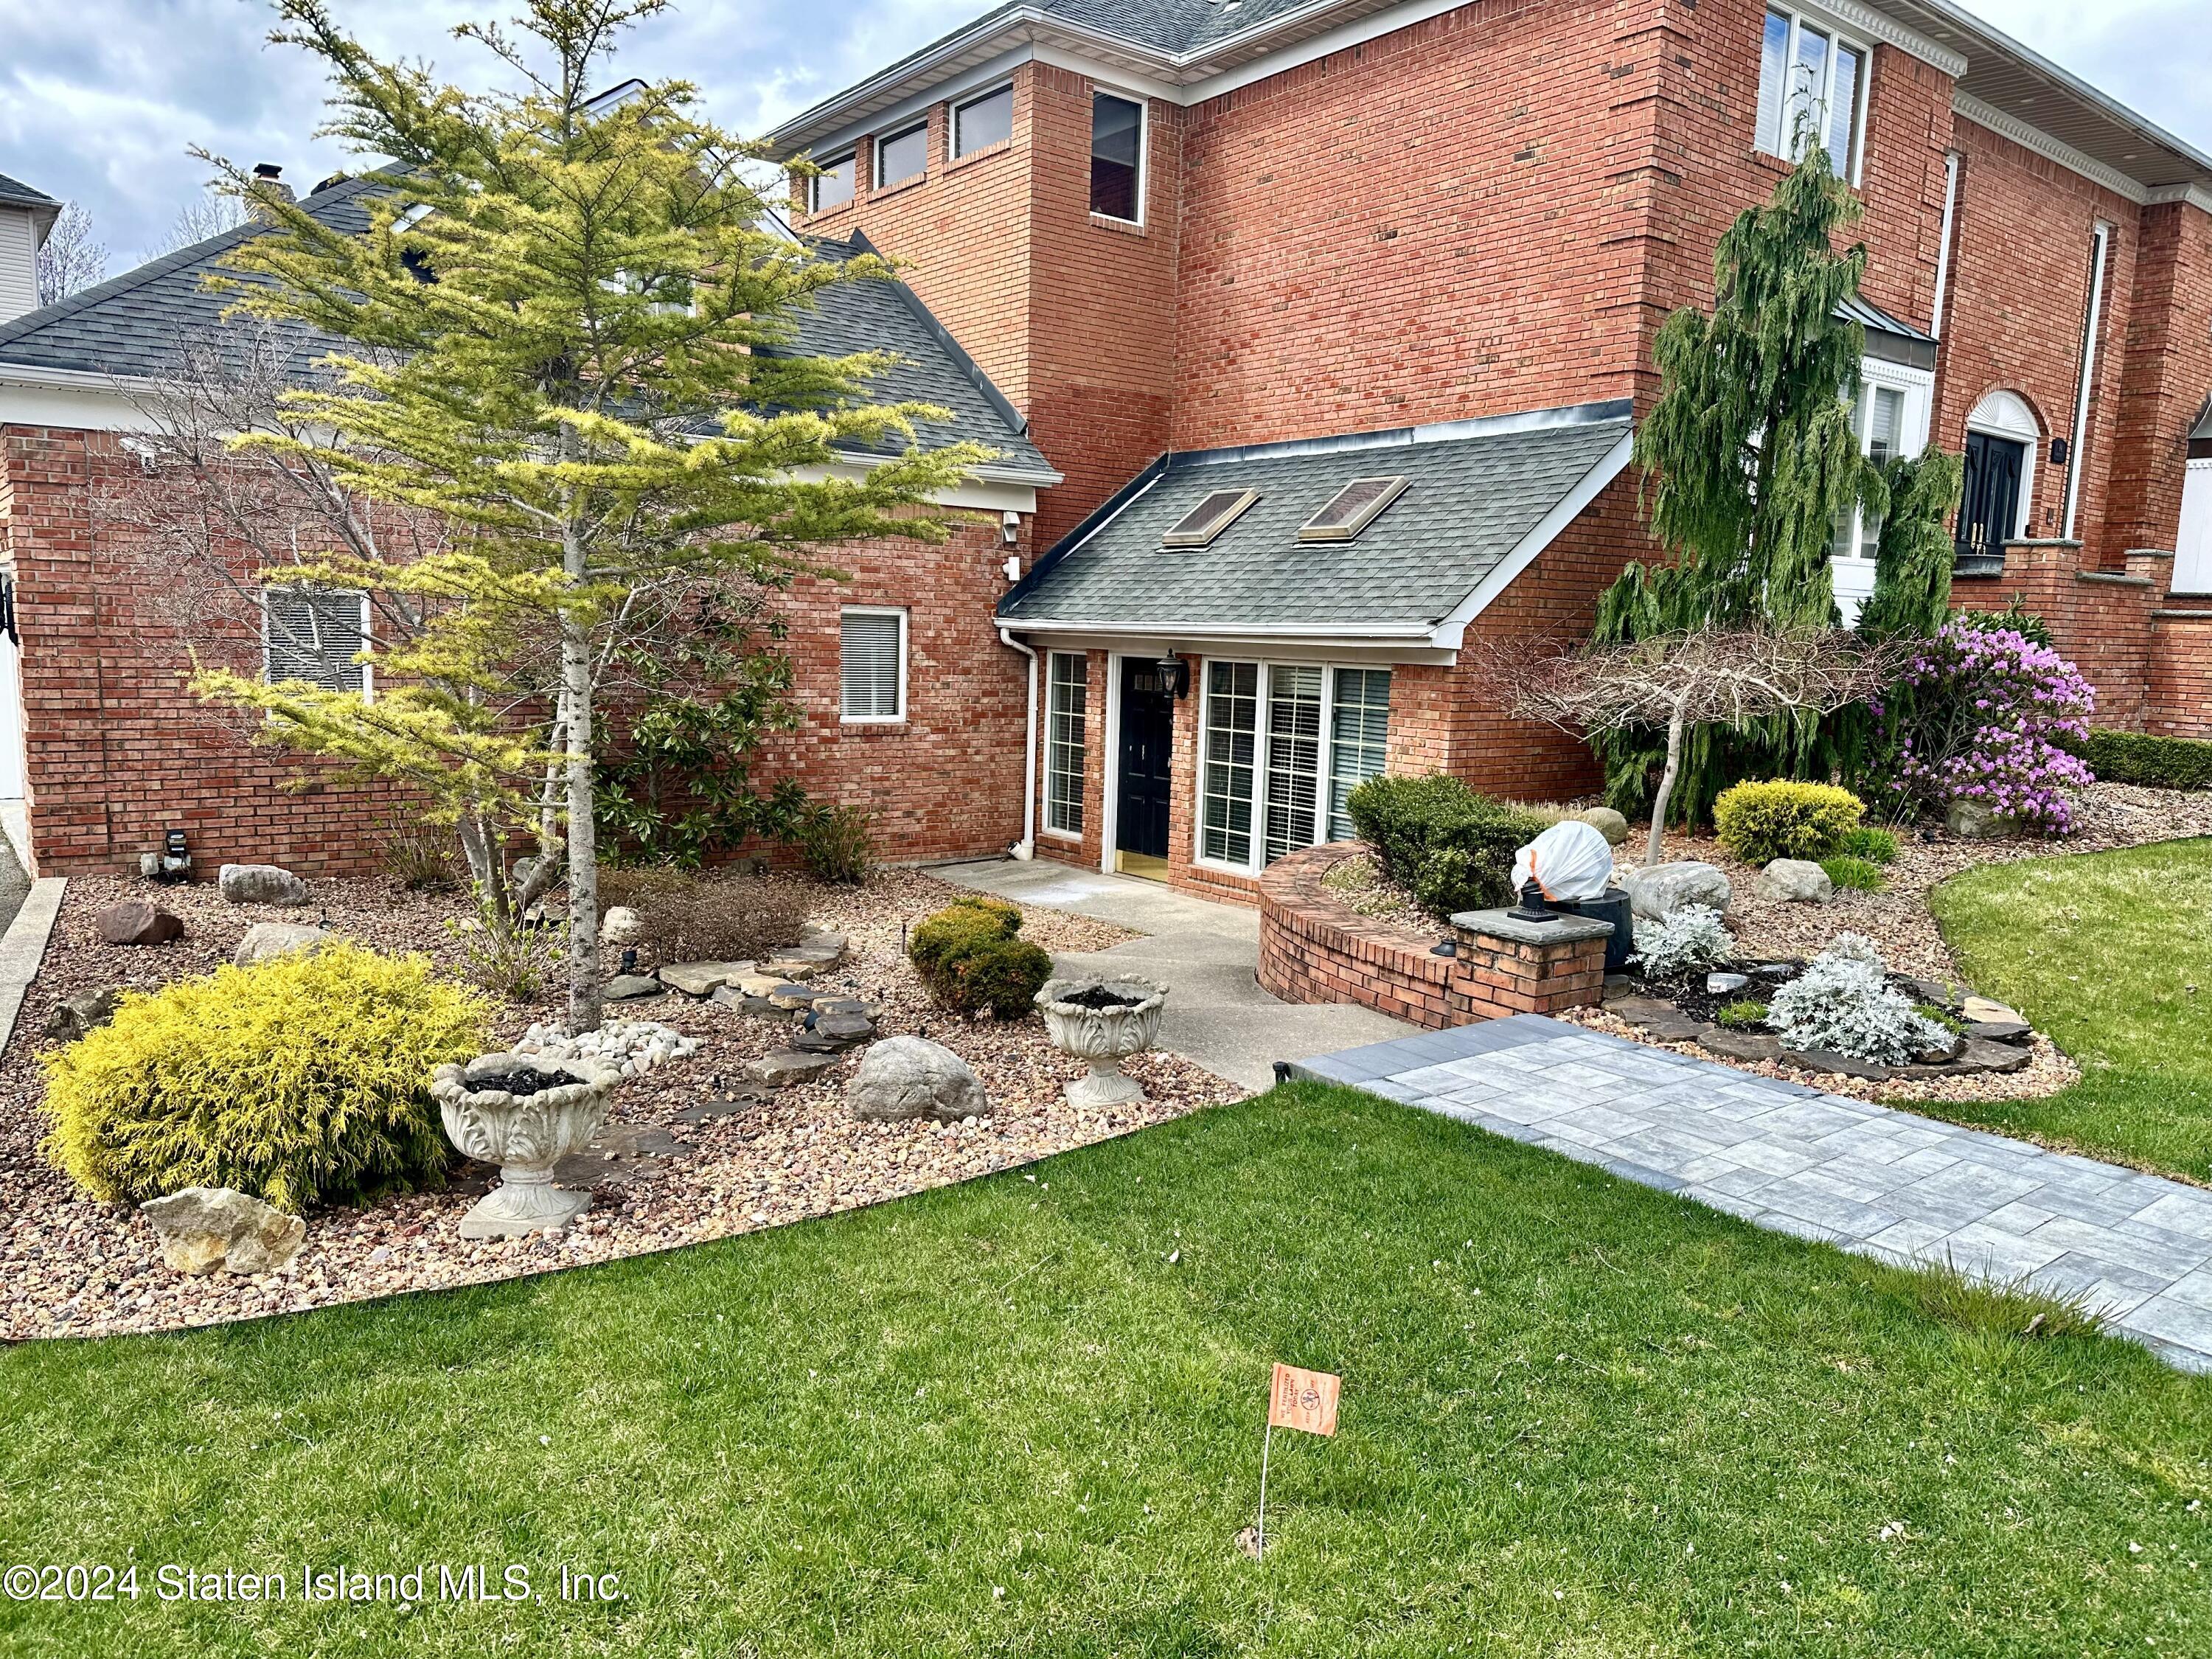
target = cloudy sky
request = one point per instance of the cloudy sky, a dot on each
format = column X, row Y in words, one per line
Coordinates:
column 101, row 101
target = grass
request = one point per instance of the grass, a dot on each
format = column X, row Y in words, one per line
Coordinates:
column 1022, row 1417
column 2111, row 954
column 1857, row 874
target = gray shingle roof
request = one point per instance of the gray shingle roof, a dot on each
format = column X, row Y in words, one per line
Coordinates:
column 131, row 327
column 15, row 194
column 1478, row 490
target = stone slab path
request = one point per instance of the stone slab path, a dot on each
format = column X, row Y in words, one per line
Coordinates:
column 1884, row 1183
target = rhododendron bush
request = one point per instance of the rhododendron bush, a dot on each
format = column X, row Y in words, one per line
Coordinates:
column 1987, row 715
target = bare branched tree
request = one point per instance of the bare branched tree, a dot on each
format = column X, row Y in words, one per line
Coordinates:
column 1708, row 676
column 70, row 261
column 210, row 213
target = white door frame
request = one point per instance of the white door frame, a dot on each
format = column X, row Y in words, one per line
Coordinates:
column 1109, row 816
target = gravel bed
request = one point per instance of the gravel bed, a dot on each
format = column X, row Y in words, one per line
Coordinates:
column 71, row 1267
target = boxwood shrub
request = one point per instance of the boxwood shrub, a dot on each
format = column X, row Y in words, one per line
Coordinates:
column 1448, row 846
column 301, row 1080
column 2159, row 762
column 971, row 956
column 1783, row 819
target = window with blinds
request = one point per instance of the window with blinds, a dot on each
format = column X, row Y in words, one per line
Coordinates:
column 314, row 633
column 1064, row 708
column 872, row 666
column 1283, row 745
column 1360, row 732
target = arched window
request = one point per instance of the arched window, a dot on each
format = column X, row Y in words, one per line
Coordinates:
column 2003, row 436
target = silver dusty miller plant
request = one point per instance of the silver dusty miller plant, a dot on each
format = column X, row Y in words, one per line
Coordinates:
column 1690, row 939
column 1843, row 1005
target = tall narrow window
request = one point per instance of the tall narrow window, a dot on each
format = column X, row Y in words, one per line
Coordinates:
column 901, row 155
column 872, row 666
column 1843, row 107
column 832, row 187
column 1069, row 697
column 982, row 122
column 1232, row 723
column 1358, row 739
column 313, row 634
column 1293, row 758
column 1812, row 88
column 1117, row 151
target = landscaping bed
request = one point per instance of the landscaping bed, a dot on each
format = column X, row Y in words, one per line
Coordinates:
column 693, row 1149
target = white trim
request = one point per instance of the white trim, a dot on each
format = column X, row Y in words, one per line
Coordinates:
column 958, row 86
column 1110, row 780
column 1144, row 147
column 2051, row 150
column 1025, row 848
column 2100, row 242
column 2007, row 415
column 1838, row 34
column 2192, row 558
column 2195, row 196
column 1083, row 658
column 905, row 632
column 1944, row 238
column 1852, row 578
column 1451, row 633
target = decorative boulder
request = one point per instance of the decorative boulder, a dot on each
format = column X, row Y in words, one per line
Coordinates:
column 1608, row 822
column 260, row 884
column 1656, row 892
column 1972, row 821
column 703, row 978
column 139, row 921
column 202, row 1229
column 908, row 1077
column 621, row 925
column 1795, row 881
column 265, row 940
column 88, row 1010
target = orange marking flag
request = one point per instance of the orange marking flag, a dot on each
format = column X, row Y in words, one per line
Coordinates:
column 1303, row 1400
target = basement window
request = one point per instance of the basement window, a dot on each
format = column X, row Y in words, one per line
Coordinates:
column 1352, row 509
column 1198, row 526
column 313, row 634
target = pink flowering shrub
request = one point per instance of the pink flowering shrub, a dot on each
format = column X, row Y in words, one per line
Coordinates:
column 1988, row 715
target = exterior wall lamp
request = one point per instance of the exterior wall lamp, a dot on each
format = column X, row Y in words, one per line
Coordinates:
column 1175, row 675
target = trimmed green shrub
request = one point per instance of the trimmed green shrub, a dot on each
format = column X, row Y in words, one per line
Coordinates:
column 1860, row 875
column 304, row 1079
column 971, row 956
column 1451, row 848
column 1782, row 819
column 1874, row 845
column 1743, row 1016
column 2156, row 763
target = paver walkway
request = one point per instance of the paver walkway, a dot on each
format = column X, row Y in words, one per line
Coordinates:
column 1882, row 1182
column 1206, row 954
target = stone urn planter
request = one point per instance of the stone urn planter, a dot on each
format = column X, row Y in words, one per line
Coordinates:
column 525, row 1113
column 1104, row 1021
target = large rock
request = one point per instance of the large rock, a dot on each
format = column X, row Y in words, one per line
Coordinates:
column 260, row 884
column 1975, row 822
column 1657, row 891
column 621, row 925
column 138, row 922
column 704, row 979
column 1606, row 821
column 202, row 1229
column 628, row 988
column 788, row 1065
column 1795, row 881
column 908, row 1077
column 88, row 1010
column 265, row 940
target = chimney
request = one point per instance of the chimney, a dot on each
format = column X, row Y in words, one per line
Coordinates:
column 270, row 177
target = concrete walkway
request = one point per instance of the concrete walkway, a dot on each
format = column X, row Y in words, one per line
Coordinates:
column 1911, row 1190
column 1206, row 954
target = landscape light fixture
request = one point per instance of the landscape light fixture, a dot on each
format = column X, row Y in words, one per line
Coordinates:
column 1533, row 905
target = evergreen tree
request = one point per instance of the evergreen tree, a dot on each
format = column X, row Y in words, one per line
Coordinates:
column 567, row 339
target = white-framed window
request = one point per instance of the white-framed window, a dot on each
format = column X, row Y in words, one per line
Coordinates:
column 832, row 187
column 1812, row 90
column 314, row 633
column 1117, row 157
column 1890, row 418
column 901, row 155
column 871, row 665
column 1282, row 747
column 982, row 121
column 1067, row 699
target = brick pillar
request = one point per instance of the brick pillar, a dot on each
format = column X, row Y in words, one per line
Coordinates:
column 1508, row 966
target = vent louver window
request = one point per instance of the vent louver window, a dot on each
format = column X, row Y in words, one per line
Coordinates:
column 1352, row 509
column 1209, row 518
column 313, row 634
column 872, row 666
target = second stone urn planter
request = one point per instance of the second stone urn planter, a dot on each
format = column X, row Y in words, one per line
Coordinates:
column 1104, row 1021
column 525, row 1113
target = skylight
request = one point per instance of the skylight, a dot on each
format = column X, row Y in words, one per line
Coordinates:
column 1209, row 518
column 1352, row 509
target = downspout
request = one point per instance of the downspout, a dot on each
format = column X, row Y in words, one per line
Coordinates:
column 1025, row 848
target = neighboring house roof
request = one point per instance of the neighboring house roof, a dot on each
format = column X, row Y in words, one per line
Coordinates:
column 2200, row 436
column 14, row 192
column 130, row 327
column 1482, row 499
column 1188, row 43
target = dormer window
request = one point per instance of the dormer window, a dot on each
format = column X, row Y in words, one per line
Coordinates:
column 832, row 187
column 902, row 156
column 1198, row 526
column 1352, row 509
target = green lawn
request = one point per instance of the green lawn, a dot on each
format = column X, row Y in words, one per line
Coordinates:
column 2110, row 953
column 1021, row 1417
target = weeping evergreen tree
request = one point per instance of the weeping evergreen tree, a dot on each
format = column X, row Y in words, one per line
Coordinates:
column 1750, row 460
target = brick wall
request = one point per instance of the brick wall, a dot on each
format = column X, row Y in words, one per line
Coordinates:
column 2166, row 376
column 2178, row 698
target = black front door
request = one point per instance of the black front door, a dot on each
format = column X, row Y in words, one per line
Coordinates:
column 1988, row 512
column 1147, row 736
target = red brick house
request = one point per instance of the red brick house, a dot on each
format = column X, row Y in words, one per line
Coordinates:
column 1330, row 320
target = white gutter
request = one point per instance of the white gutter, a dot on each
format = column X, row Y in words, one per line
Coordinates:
column 1025, row 848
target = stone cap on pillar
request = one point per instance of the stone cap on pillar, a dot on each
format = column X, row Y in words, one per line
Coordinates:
column 1500, row 924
